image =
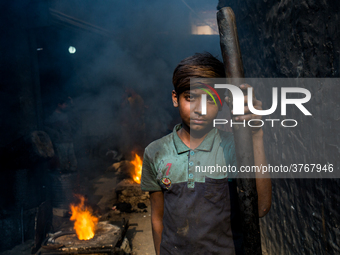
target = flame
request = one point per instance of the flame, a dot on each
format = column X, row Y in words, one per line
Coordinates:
column 137, row 163
column 85, row 223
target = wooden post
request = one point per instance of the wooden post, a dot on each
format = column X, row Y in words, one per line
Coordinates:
column 243, row 137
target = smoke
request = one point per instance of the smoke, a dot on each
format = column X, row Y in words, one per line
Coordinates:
column 121, row 45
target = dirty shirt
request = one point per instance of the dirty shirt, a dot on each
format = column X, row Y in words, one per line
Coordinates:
column 201, row 212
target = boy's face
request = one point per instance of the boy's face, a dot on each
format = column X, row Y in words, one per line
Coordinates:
column 190, row 109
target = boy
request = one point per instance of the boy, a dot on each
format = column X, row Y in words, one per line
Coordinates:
column 191, row 212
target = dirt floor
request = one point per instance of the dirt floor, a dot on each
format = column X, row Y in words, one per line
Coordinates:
column 139, row 233
column 101, row 193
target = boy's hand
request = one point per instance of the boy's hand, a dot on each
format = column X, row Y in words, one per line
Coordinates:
column 247, row 114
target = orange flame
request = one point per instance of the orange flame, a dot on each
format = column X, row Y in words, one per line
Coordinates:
column 85, row 223
column 137, row 163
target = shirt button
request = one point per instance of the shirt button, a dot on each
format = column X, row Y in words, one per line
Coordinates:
column 192, row 152
column 191, row 175
column 191, row 163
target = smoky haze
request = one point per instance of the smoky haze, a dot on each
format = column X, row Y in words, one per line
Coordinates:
column 119, row 45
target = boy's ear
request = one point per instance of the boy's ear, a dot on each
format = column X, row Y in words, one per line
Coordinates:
column 174, row 98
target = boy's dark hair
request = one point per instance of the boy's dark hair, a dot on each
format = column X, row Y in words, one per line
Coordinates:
column 200, row 65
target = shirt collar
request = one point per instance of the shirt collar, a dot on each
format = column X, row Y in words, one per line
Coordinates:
column 179, row 145
column 206, row 145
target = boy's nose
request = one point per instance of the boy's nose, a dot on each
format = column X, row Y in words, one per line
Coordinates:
column 200, row 106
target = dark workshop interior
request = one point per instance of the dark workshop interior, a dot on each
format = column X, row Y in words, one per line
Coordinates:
column 86, row 85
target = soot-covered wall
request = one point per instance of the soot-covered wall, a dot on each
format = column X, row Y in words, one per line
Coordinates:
column 297, row 39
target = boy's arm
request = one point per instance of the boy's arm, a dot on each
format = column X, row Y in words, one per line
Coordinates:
column 157, row 209
column 149, row 183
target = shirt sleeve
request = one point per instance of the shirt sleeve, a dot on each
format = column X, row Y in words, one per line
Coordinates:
column 149, row 173
column 233, row 154
column 228, row 145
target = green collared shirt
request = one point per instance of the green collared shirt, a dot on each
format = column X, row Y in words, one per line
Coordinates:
column 170, row 160
column 201, row 214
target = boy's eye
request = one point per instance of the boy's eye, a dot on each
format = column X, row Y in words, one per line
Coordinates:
column 189, row 97
column 209, row 98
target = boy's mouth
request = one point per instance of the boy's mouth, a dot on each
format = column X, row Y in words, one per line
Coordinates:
column 198, row 121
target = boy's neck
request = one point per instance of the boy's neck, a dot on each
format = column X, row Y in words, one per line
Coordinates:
column 190, row 138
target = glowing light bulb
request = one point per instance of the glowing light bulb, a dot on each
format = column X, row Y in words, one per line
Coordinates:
column 71, row 50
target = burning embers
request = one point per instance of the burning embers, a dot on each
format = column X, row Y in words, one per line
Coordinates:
column 131, row 169
column 137, row 173
column 84, row 222
column 89, row 236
